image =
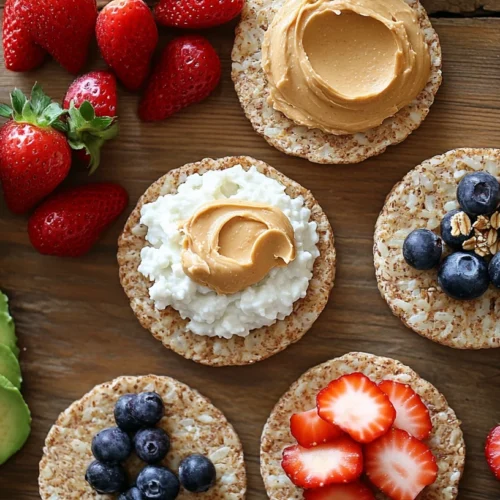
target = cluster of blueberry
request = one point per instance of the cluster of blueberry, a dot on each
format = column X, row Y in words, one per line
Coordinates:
column 465, row 274
column 136, row 416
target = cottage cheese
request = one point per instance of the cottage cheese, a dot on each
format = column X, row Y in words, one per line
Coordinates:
column 225, row 315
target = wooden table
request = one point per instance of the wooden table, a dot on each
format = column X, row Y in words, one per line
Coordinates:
column 76, row 328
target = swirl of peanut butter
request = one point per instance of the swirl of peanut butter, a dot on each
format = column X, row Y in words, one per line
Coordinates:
column 344, row 66
column 230, row 245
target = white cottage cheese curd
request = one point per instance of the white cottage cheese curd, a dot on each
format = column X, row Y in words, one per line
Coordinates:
column 225, row 315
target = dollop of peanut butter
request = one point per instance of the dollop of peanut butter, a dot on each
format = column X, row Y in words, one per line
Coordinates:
column 344, row 66
column 230, row 245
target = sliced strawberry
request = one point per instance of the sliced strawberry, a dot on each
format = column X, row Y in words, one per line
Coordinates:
column 492, row 451
column 340, row 461
column 310, row 430
column 352, row 491
column 400, row 465
column 355, row 404
column 412, row 415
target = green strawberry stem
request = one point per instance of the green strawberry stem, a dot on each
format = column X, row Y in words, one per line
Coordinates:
column 89, row 132
column 39, row 110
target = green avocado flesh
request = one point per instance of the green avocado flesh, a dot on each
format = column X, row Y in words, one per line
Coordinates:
column 15, row 420
column 9, row 366
column 7, row 327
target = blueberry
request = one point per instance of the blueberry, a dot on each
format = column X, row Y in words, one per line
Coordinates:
column 151, row 445
column 158, row 483
column 123, row 416
column 494, row 270
column 106, row 478
column 131, row 494
column 147, row 408
column 454, row 242
column 422, row 249
column 478, row 193
column 111, row 445
column 464, row 276
column 197, row 473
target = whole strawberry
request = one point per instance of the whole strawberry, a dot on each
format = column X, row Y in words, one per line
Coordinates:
column 188, row 72
column 97, row 87
column 197, row 13
column 87, row 136
column 19, row 50
column 69, row 223
column 127, row 37
column 34, row 155
column 64, row 28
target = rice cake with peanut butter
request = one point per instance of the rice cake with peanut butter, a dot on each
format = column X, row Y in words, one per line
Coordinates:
column 193, row 423
column 167, row 325
column 316, row 145
column 421, row 200
column 446, row 441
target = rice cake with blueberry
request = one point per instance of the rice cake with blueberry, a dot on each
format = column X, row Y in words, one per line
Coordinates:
column 314, row 144
column 192, row 422
column 214, row 343
column 446, row 441
column 421, row 201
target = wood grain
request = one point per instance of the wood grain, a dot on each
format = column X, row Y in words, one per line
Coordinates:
column 75, row 324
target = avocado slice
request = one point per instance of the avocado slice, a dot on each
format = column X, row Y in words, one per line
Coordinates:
column 15, row 420
column 7, row 327
column 4, row 303
column 9, row 366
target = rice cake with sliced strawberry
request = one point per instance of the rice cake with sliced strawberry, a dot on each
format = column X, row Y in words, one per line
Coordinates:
column 445, row 442
column 420, row 201
column 192, row 422
column 171, row 329
column 317, row 146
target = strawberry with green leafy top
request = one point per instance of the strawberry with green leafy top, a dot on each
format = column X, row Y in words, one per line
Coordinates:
column 90, row 128
column 34, row 154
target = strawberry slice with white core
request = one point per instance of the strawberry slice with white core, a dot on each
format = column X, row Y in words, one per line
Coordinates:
column 400, row 465
column 352, row 491
column 357, row 406
column 493, row 451
column 310, row 430
column 412, row 415
column 340, row 461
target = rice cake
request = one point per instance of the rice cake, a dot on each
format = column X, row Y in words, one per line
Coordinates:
column 421, row 200
column 192, row 422
column 446, row 442
column 313, row 144
column 167, row 325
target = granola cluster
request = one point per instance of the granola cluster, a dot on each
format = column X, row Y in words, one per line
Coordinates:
column 484, row 239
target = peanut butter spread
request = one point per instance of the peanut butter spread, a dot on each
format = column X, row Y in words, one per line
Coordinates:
column 344, row 66
column 232, row 244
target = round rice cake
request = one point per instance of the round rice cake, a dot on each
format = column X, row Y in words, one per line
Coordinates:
column 192, row 422
column 168, row 326
column 313, row 144
column 446, row 442
column 421, row 200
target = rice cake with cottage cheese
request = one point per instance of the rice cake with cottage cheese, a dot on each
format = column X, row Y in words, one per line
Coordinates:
column 168, row 326
column 421, row 200
column 313, row 144
column 446, row 442
column 192, row 422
